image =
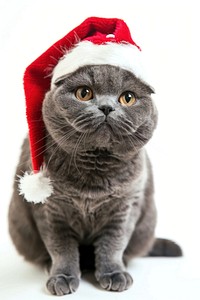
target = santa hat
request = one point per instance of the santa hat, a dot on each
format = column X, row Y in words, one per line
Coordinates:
column 95, row 41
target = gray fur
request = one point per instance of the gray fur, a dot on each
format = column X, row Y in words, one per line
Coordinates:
column 102, row 180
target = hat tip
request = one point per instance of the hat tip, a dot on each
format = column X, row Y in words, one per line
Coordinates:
column 35, row 187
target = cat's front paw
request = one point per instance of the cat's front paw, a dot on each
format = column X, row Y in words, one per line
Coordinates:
column 116, row 281
column 62, row 284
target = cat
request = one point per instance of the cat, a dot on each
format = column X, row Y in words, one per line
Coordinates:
column 98, row 120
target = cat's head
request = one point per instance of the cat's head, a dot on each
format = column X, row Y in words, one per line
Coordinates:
column 100, row 106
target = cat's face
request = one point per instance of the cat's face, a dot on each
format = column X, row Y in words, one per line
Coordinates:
column 100, row 107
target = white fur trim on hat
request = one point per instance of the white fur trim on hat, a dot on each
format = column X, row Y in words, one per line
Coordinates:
column 123, row 55
column 35, row 187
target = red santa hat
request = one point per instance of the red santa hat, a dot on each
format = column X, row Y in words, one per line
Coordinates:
column 95, row 41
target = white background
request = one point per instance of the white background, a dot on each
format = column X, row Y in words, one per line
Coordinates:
column 168, row 33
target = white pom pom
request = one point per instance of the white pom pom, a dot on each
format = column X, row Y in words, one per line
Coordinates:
column 35, row 187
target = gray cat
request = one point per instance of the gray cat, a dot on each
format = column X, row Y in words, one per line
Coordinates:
column 102, row 212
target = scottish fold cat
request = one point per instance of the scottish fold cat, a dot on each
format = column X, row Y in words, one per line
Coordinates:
column 98, row 120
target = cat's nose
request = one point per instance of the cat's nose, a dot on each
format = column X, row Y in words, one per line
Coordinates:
column 106, row 109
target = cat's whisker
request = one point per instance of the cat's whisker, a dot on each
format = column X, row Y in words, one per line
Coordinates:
column 130, row 136
column 84, row 141
column 48, row 135
column 50, row 144
column 134, row 137
column 126, row 127
column 82, row 117
column 59, row 142
column 72, row 155
column 76, row 149
column 83, row 122
column 53, row 153
column 131, row 140
column 141, row 137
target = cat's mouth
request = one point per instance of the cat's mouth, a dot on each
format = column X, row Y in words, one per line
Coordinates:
column 103, row 126
column 106, row 124
column 92, row 124
column 117, row 126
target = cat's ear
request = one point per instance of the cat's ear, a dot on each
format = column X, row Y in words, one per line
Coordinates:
column 147, row 88
column 144, row 86
column 150, row 90
column 60, row 81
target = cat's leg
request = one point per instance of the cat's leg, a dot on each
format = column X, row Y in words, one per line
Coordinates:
column 24, row 232
column 142, row 238
column 22, row 226
column 110, row 270
column 63, row 249
column 143, row 242
column 65, row 273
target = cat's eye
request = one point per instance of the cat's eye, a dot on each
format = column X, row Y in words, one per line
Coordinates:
column 127, row 99
column 84, row 93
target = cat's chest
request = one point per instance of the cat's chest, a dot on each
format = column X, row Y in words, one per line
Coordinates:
column 98, row 189
column 87, row 217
